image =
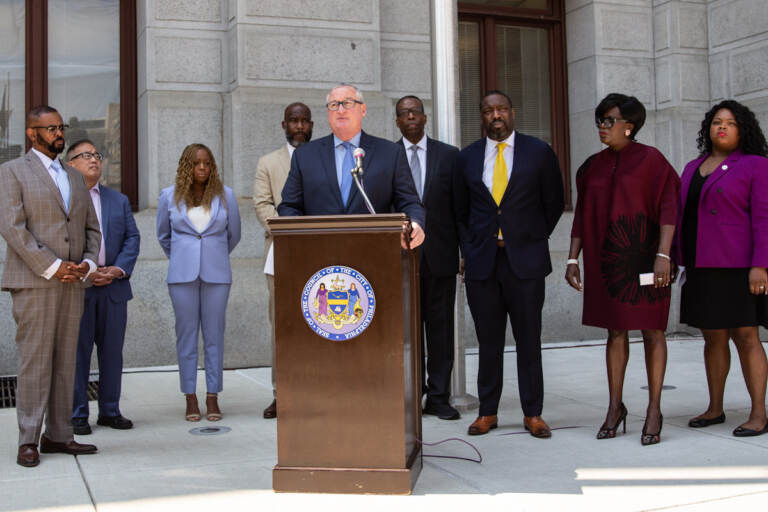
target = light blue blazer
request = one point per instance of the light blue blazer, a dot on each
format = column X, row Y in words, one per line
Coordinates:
column 192, row 254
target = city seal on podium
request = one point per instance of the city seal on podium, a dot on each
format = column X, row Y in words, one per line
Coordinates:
column 338, row 303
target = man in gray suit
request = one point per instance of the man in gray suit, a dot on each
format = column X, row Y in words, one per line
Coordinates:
column 52, row 231
column 271, row 172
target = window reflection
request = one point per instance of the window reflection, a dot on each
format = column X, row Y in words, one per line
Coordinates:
column 84, row 75
column 11, row 79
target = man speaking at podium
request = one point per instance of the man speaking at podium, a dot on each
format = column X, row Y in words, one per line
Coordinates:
column 320, row 181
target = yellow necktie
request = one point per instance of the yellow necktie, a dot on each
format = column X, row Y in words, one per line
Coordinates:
column 499, row 174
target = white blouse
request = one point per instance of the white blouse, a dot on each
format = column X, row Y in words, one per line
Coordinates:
column 200, row 217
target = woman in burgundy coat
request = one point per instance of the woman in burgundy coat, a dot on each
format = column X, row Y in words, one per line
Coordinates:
column 624, row 222
column 722, row 240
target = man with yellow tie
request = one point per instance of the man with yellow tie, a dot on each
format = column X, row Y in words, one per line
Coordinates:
column 509, row 204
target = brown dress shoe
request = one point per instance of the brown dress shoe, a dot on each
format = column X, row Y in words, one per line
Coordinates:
column 482, row 425
column 28, row 456
column 537, row 427
column 271, row 411
column 71, row 447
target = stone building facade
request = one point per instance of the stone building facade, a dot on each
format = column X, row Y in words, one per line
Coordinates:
column 221, row 71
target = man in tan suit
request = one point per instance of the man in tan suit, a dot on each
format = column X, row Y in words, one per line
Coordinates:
column 271, row 173
column 48, row 221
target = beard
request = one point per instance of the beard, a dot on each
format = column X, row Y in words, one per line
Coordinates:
column 296, row 143
column 54, row 148
column 497, row 132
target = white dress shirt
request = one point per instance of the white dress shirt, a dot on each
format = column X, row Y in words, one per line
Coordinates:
column 491, row 150
column 50, row 271
column 291, row 149
column 422, row 152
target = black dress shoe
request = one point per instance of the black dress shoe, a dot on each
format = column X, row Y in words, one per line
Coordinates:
column 441, row 410
column 28, row 456
column 705, row 422
column 748, row 432
column 80, row 426
column 119, row 422
column 271, row 410
column 70, row 447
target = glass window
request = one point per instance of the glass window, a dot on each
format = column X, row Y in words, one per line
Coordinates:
column 522, row 64
column 12, row 76
column 470, row 81
column 84, row 75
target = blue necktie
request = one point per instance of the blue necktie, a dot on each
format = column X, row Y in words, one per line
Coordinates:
column 62, row 181
column 346, row 176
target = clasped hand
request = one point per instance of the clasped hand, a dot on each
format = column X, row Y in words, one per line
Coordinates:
column 71, row 272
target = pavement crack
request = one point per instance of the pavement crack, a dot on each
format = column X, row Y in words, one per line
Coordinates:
column 702, row 502
column 85, row 482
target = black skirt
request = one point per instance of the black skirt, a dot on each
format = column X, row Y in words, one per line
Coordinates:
column 719, row 298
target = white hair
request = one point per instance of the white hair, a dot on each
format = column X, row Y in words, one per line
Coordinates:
column 358, row 92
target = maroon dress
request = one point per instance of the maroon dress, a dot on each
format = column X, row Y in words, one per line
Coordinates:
column 623, row 200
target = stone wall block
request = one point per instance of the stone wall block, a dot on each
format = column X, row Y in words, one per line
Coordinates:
column 626, row 30
column 192, row 60
column 733, row 20
column 401, row 17
column 694, row 78
column 311, row 55
column 692, row 23
column 748, row 70
column 718, row 77
column 406, row 68
column 580, row 36
column 188, row 10
column 582, row 85
column 358, row 11
column 627, row 76
column 662, row 28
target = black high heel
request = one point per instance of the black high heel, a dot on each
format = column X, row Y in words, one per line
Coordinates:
column 648, row 439
column 610, row 432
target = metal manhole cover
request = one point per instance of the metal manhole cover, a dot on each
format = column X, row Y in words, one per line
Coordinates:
column 209, row 431
column 665, row 386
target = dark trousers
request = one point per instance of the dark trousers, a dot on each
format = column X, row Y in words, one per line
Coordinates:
column 438, row 294
column 103, row 324
column 491, row 301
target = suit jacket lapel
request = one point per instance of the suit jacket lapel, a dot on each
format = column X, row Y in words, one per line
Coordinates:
column 328, row 157
column 39, row 169
column 721, row 171
column 215, row 204
column 105, row 211
column 431, row 166
column 480, row 169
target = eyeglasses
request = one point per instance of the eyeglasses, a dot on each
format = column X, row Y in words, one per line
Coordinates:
column 348, row 104
column 52, row 128
column 409, row 111
column 607, row 122
column 87, row 155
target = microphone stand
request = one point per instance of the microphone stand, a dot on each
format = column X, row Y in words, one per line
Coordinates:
column 357, row 174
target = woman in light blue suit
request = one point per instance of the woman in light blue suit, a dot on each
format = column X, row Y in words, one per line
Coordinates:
column 198, row 225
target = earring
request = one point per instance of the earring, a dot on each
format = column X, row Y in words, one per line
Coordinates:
column 627, row 132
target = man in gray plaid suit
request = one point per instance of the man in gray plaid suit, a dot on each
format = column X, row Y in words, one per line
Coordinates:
column 49, row 223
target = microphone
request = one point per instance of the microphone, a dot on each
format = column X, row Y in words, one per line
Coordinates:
column 357, row 174
column 358, row 154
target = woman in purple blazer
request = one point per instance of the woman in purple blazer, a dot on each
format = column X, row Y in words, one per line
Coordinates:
column 722, row 241
column 198, row 225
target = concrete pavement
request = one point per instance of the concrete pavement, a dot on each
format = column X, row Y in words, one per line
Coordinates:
column 159, row 465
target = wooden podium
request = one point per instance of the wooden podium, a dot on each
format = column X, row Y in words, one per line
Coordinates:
column 349, row 411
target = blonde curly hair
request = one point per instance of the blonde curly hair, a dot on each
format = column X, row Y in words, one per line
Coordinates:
column 184, row 179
